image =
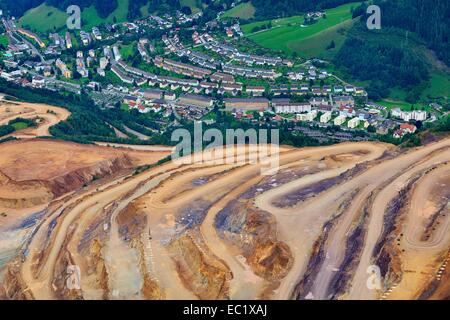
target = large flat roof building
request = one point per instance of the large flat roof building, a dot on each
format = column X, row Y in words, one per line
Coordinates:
column 196, row 100
column 246, row 104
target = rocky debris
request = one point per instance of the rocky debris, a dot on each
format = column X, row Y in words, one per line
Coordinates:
column 193, row 215
column 132, row 222
column 353, row 250
column 314, row 189
column 254, row 232
column 150, row 287
column 205, row 276
column 13, row 284
column 23, row 194
column 317, row 257
column 80, row 177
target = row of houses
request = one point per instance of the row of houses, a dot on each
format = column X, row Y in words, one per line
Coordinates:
column 286, row 106
column 121, row 74
column 225, row 83
column 174, row 45
column 181, row 68
column 250, row 72
column 248, row 59
column 142, row 50
column 201, row 59
column 303, row 89
column 305, row 111
column 222, row 77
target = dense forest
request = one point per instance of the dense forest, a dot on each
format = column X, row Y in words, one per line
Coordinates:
column 384, row 63
column 429, row 19
column 388, row 58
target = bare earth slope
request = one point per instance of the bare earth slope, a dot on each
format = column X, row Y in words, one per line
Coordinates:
column 45, row 115
column 310, row 230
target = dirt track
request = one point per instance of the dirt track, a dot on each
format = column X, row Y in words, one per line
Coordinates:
column 47, row 115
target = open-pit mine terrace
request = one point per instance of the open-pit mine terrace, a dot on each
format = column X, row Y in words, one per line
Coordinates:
column 45, row 116
column 310, row 230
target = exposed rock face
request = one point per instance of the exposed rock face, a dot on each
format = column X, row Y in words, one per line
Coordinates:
column 254, row 231
column 271, row 260
column 131, row 221
column 2, row 293
column 438, row 289
column 35, row 171
column 77, row 178
column 13, row 286
column 96, row 267
column 24, row 194
column 150, row 288
column 205, row 276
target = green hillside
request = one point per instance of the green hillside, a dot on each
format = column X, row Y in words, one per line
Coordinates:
column 288, row 34
column 45, row 18
column 195, row 5
column 243, row 10
column 4, row 40
column 366, row 58
column 318, row 46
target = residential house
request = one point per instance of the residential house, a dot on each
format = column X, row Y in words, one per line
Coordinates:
column 255, row 90
column 340, row 101
column 339, row 120
column 353, row 123
column 324, row 118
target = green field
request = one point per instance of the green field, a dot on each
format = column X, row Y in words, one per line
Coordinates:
column 45, row 18
column 144, row 10
column 127, row 50
column 124, row 107
column 112, row 78
column 438, row 86
column 195, row 5
column 19, row 125
column 287, row 34
column 317, row 46
column 391, row 104
column 4, row 43
column 242, row 11
column 4, row 40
